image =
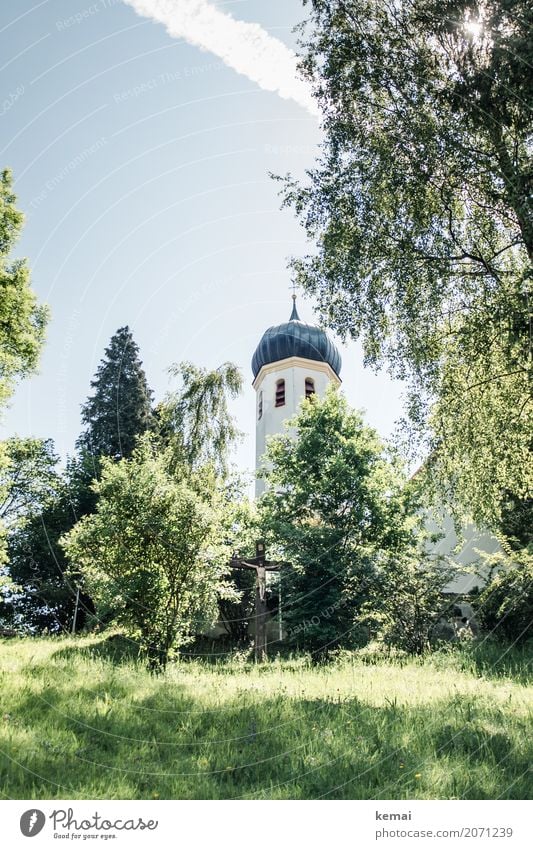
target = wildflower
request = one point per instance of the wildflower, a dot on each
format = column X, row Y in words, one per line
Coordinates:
column 418, row 775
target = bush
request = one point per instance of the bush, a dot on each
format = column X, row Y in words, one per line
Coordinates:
column 506, row 603
column 406, row 601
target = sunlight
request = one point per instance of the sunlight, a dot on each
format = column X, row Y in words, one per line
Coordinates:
column 473, row 28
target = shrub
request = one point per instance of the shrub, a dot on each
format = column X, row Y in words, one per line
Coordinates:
column 506, row 603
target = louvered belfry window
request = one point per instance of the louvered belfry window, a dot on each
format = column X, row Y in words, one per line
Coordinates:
column 280, row 393
column 309, row 387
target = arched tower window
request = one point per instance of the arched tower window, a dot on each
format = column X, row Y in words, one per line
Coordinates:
column 260, row 406
column 280, row 393
column 309, row 387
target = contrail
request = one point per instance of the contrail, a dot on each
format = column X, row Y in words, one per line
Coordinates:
column 245, row 47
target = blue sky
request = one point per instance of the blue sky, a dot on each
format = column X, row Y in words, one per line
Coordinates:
column 141, row 162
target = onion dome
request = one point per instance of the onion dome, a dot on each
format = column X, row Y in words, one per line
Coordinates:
column 295, row 338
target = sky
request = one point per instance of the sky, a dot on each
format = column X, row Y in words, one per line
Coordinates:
column 141, row 134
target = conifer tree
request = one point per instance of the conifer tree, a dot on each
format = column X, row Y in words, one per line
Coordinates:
column 119, row 409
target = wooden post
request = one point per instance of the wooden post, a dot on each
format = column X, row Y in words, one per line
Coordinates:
column 260, row 616
column 260, row 643
column 76, row 610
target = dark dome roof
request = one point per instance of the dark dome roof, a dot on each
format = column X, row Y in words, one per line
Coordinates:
column 295, row 338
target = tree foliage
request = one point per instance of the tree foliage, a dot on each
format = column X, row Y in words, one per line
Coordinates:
column 405, row 602
column 28, row 477
column 516, row 525
column 46, row 504
column 119, row 409
column 197, row 433
column 240, row 528
column 420, row 207
column 150, row 551
column 195, row 421
column 341, row 512
column 506, row 603
column 22, row 319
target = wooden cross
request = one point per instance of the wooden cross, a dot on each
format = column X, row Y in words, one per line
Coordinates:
column 261, row 566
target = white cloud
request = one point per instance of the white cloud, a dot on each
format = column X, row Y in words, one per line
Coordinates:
column 245, row 47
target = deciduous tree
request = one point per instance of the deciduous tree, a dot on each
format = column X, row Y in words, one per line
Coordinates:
column 195, row 421
column 28, row 478
column 420, row 207
column 44, row 504
column 22, row 319
column 339, row 507
column 151, row 551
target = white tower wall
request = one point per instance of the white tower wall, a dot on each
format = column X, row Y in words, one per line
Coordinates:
column 294, row 372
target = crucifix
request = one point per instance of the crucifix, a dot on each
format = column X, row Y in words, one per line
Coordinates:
column 261, row 566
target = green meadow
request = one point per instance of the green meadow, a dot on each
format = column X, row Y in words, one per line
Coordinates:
column 83, row 718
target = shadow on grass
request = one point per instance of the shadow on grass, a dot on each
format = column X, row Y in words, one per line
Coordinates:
column 114, row 648
column 104, row 740
column 490, row 659
column 481, row 658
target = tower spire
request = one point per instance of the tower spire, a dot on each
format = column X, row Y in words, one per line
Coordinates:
column 294, row 313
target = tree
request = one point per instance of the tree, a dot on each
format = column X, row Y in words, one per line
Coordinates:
column 28, row 477
column 195, row 421
column 119, row 409
column 339, row 509
column 197, row 431
column 420, row 207
column 44, row 505
column 22, row 319
column 405, row 603
column 240, row 530
column 516, row 524
column 150, row 551
column 506, row 603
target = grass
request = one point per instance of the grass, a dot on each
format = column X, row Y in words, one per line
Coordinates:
column 80, row 718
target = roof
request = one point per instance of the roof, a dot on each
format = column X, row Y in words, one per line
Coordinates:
column 295, row 338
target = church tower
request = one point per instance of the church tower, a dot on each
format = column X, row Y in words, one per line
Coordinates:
column 291, row 362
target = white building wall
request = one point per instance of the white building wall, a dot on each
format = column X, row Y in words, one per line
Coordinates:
column 294, row 371
column 463, row 550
